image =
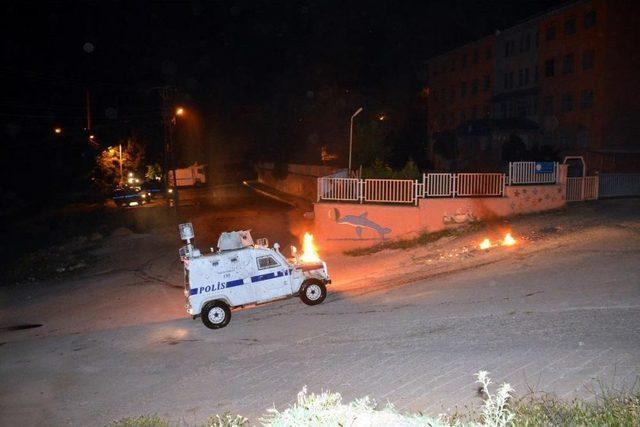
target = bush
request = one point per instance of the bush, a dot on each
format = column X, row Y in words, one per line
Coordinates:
column 327, row 409
column 379, row 170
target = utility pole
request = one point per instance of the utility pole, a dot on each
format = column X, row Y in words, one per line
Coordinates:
column 88, row 98
column 168, row 95
column 121, row 172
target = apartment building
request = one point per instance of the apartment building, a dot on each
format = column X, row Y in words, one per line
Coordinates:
column 591, row 81
column 460, row 85
column 517, row 90
column 567, row 78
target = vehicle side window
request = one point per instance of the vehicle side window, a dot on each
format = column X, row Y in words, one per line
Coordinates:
column 267, row 262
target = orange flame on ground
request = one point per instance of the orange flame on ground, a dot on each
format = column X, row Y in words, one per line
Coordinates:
column 486, row 244
column 309, row 252
column 508, row 240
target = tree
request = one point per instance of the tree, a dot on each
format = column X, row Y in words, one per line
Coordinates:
column 369, row 145
column 153, row 173
column 106, row 173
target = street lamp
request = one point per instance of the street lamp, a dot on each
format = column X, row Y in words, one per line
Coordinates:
column 178, row 112
column 351, row 135
column 57, row 131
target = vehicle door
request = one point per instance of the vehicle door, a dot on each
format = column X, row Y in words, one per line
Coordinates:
column 271, row 280
column 235, row 274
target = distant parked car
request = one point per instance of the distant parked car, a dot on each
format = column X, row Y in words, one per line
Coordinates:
column 153, row 189
column 130, row 196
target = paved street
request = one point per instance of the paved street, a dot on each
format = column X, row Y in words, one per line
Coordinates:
column 558, row 320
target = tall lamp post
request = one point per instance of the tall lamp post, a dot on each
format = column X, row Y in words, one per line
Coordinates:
column 178, row 112
column 358, row 111
column 121, row 171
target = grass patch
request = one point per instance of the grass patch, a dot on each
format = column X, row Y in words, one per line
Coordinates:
column 611, row 410
column 142, row 421
column 225, row 420
column 498, row 409
column 422, row 239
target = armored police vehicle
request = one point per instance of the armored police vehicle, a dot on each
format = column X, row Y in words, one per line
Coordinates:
column 242, row 273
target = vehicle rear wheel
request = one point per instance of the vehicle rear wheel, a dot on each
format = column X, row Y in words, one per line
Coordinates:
column 216, row 314
column 313, row 292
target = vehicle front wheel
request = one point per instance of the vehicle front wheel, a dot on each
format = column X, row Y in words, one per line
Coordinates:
column 313, row 292
column 216, row 314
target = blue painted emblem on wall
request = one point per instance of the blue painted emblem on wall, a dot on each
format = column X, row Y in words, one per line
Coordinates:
column 544, row 167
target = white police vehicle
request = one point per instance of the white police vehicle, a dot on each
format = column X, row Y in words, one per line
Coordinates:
column 241, row 273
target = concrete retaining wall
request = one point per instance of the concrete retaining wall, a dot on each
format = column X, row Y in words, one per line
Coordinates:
column 350, row 225
column 301, row 180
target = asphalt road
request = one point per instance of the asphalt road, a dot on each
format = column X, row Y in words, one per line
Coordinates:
column 564, row 320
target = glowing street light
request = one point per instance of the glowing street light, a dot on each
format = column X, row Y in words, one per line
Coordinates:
column 57, row 131
column 179, row 111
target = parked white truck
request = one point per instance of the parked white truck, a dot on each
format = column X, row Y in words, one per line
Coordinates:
column 190, row 176
column 242, row 273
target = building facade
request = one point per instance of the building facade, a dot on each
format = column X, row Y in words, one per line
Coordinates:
column 461, row 84
column 566, row 79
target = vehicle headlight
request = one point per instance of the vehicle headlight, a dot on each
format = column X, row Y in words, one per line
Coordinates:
column 144, row 196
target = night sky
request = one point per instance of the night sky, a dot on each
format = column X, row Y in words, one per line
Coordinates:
column 262, row 80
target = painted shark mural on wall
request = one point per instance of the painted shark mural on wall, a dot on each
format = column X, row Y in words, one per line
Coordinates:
column 359, row 222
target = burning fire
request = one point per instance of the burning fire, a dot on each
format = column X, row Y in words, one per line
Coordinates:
column 486, row 244
column 309, row 252
column 508, row 240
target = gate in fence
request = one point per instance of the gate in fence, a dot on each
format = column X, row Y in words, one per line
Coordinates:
column 582, row 188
